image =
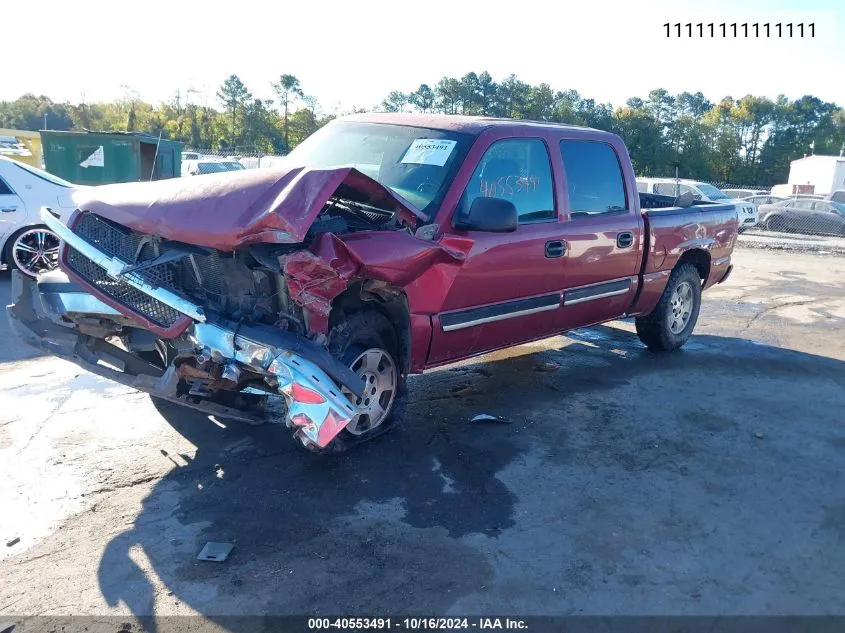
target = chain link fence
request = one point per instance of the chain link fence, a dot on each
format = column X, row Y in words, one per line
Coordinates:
column 205, row 161
column 798, row 214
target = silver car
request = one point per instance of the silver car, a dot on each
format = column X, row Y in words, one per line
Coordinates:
column 804, row 215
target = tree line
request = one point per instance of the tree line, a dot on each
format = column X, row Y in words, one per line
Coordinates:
column 748, row 140
column 241, row 124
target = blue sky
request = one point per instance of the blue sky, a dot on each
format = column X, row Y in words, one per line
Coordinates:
column 352, row 53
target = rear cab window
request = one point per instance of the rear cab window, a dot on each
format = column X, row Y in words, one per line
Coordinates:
column 518, row 170
column 594, row 180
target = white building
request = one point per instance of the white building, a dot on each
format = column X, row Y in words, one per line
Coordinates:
column 824, row 173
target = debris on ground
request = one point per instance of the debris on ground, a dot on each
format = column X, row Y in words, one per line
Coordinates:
column 463, row 392
column 486, row 417
column 548, row 367
column 13, row 542
column 216, row 552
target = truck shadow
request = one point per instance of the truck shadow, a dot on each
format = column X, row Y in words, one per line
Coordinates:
column 386, row 528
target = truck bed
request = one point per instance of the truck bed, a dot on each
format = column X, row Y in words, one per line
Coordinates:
column 655, row 204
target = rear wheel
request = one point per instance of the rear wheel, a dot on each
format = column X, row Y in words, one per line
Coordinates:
column 673, row 319
column 33, row 250
column 775, row 223
column 367, row 343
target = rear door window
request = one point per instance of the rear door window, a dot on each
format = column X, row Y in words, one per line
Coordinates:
column 593, row 178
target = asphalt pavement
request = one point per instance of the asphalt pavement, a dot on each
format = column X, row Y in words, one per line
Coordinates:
column 709, row 481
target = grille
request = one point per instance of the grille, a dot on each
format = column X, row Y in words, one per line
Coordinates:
column 197, row 278
column 125, row 294
column 114, row 240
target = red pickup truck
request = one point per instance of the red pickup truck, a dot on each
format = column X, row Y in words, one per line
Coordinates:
column 386, row 245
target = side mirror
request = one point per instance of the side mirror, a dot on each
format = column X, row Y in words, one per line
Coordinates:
column 493, row 215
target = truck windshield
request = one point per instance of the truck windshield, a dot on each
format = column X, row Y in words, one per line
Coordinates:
column 712, row 193
column 416, row 163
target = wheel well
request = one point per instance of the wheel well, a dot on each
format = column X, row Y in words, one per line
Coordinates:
column 372, row 294
column 698, row 258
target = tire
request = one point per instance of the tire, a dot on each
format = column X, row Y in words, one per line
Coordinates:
column 656, row 329
column 775, row 223
column 28, row 233
column 357, row 334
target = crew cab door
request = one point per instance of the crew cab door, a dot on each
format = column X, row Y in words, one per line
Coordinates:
column 603, row 233
column 12, row 209
column 508, row 288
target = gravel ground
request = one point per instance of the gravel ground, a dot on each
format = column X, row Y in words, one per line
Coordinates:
column 774, row 241
column 621, row 482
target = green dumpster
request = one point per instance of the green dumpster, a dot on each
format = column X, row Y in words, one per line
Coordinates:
column 98, row 158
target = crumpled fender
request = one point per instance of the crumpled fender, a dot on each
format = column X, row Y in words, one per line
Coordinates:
column 424, row 268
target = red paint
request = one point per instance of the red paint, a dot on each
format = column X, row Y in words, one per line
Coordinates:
column 233, row 209
column 457, row 270
column 330, row 427
column 305, row 395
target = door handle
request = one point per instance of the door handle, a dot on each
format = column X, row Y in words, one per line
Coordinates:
column 8, row 209
column 624, row 239
column 555, row 248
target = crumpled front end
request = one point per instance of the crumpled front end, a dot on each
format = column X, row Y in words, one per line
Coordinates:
column 232, row 284
column 210, row 356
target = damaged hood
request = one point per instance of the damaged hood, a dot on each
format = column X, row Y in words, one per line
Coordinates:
column 233, row 209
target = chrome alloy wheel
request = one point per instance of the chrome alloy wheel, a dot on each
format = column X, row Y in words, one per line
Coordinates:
column 680, row 305
column 36, row 251
column 378, row 372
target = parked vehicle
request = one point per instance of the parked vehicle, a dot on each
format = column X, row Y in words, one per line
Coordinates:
column 836, row 196
column 789, row 191
column 209, row 166
column 746, row 211
column 191, row 156
column 763, row 199
column 744, row 194
column 329, row 286
column 25, row 242
column 804, row 215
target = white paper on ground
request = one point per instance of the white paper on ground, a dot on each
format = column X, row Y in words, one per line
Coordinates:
column 429, row 151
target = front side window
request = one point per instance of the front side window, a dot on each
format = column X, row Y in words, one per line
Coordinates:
column 593, row 178
column 517, row 170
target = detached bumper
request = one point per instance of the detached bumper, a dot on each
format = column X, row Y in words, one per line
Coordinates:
column 294, row 366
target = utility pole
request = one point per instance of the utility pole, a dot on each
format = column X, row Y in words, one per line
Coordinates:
column 45, row 121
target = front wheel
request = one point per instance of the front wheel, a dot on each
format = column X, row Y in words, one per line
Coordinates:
column 368, row 344
column 33, row 250
column 670, row 324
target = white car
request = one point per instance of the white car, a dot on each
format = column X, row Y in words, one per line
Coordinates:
column 209, row 166
column 25, row 243
column 746, row 211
